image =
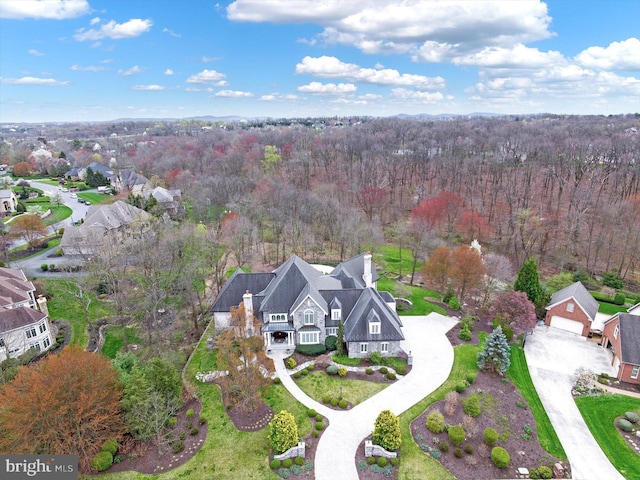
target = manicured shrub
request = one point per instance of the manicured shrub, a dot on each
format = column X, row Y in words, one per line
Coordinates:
column 304, row 372
column 277, row 381
column 182, row 435
column 276, row 464
column 326, row 398
column 462, row 386
column 319, row 426
column 471, row 405
column 386, row 431
column 456, row 434
column 330, row 343
column 311, row 412
column 401, row 369
column 435, row 422
column 394, row 461
column 172, row 422
column 454, row 303
column 299, row 461
column 332, row 370
column 44, row 268
column 283, row 432
column 318, row 417
column 383, row 370
column 287, row 462
column 342, row 403
column 468, row 322
column 283, row 472
column 194, row 431
column 369, row 371
column 500, row 457
column 542, row 472
column 190, row 413
column 316, row 434
column 371, row 460
column 465, row 334
column 177, row 447
column 444, row 447
column 334, row 402
column 468, row 448
column 619, row 299
column 382, row 462
column 375, row 358
column 342, row 372
column 435, row 453
column 290, row 363
column 490, row 436
column 296, row 375
column 632, row 417
column 625, row 425
column 471, row 377
column 311, row 350
column 390, row 376
column 102, row 460
column 311, row 367
column 110, row 446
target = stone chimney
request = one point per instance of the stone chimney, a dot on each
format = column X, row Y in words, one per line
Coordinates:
column 367, row 275
column 42, row 305
column 247, row 300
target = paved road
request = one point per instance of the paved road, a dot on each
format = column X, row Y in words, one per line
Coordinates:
column 432, row 362
column 553, row 356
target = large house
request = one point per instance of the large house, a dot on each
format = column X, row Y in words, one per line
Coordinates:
column 104, row 224
column 169, row 200
column 299, row 305
column 621, row 335
column 128, row 180
column 573, row 309
column 8, row 202
column 24, row 320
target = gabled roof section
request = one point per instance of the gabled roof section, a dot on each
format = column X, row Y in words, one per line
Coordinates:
column 354, row 269
column 580, row 294
column 231, row 293
column 14, row 286
column 630, row 338
column 335, row 304
column 313, row 293
column 12, row 318
column 356, row 326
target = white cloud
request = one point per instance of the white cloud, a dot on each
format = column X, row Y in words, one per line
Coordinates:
column 623, row 55
column 149, row 88
column 206, row 59
column 88, row 68
column 171, row 32
column 318, row 88
column 331, row 67
column 370, row 96
column 35, row 52
column 94, row 21
column 413, row 96
column 278, row 96
column 115, row 31
column 168, row 71
column 194, row 89
column 47, row 9
column 516, row 56
column 208, row 76
column 233, row 94
column 47, row 82
column 132, row 71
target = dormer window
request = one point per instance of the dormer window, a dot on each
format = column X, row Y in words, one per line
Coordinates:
column 374, row 323
column 308, row 317
column 336, row 314
column 278, row 317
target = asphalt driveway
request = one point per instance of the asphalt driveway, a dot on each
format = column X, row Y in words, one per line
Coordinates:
column 553, row 356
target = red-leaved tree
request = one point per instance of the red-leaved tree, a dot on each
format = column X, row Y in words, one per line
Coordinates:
column 516, row 310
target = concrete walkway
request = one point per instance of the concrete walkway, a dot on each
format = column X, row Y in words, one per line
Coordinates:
column 553, row 356
column 432, row 361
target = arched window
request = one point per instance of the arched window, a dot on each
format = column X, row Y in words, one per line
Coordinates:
column 308, row 317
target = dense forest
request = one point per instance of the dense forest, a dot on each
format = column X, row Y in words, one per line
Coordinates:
column 565, row 189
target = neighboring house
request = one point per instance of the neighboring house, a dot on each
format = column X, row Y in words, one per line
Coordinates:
column 298, row 305
column 8, row 202
column 22, row 326
column 80, row 173
column 105, row 224
column 127, row 180
column 572, row 309
column 169, row 200
column 621, row 336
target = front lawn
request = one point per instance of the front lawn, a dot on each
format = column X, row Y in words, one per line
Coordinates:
column 318, row 384
column 417, row 295
column 519, row 374
column 599, row 414
column 96, row 198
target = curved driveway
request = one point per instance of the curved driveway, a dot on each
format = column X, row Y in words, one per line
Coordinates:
column 432, row 362
column 553, row 356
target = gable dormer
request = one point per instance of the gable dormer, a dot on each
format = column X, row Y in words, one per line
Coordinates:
column 336, row 309
column 373, row 320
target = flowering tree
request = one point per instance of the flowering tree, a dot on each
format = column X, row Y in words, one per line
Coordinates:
column 516, row 310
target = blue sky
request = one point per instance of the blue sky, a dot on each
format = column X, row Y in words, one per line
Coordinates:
column 99, row 60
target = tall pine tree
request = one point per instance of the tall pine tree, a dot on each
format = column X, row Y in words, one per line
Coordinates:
column 495, row 355
column 528, row 281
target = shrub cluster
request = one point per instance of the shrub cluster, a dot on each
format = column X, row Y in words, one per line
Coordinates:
column 311, row 350
column 490, row 436
column 435, row 422
column 625, row 425
column 102, row 460
column 291, row 363
column 342, row 372
column 332, row 370
column 542, row 472
column 500, row 457
column 632, row 417
column 456, row 434
column 465, row 334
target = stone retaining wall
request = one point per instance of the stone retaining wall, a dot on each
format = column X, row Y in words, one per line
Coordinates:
column 371, row 450
column 293, row 452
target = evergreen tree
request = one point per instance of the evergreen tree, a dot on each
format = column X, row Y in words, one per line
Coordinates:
column 528, row 281
column 386, row 432
column 283, row 432
column 340, row 339
column 495, row 354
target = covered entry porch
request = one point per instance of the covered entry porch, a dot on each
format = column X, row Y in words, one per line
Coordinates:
column 279, row 336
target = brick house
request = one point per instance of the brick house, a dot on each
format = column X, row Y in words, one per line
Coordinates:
column 621, row 336
column 572, row 309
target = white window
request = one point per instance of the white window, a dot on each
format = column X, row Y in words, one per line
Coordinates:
column 42, row 327
column 374, row 328
column 31, row 332
column 364, row 347
column 46, row 342
column 332, row 331
column 635, row 371
column 308, row 317
column 35, row 346
column 278, row 317
column 570, row 307
column 616, row 331
column 384, row 347
column 335, row 314
column 308, row 337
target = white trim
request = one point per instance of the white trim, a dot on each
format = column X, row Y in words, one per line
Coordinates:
column 364, row 347
column 634, row 371
column 384, row 347
column 336, row 313
column 374, row 328
column 311, row 340
column 332, row 331
column 278, row 317
column 312, row 315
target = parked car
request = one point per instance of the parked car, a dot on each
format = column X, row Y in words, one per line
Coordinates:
column 81, row 200
column 73, row 195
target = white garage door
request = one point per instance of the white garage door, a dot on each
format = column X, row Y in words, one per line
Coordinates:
column 566, row 324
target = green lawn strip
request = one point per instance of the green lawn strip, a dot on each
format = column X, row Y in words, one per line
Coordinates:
column 414, row 463
column 610, row 308
column 519, row 374
column 95, row 198
column 113, row 341
column 396, row 260
column 417, row 297
column 599, row 414
column 63, row 305
column 346, row 360
column 318, row 384
column 59, row 213
column 47, row 181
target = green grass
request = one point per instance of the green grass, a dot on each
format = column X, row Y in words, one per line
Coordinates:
column 63, row 305
column 519, row 374
column 415, row 464
column 113, row 341
column 317, row 384
column 610, row 308
column 417, row 296
column 599, row 414
column 345, row 360
column 395, row 260
column 59, row 213
column 95, row 198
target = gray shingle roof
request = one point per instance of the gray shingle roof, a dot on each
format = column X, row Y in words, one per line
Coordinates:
column 231, row 293
column 630, row 338
column 14, row 286
column 354, row 268
column 12, row 318
column 580, row 294
column 311, row 291
column 356, row 326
